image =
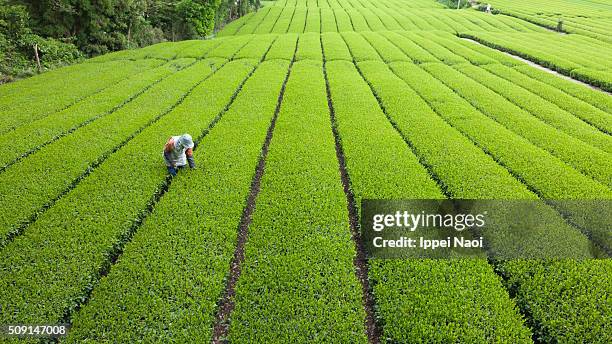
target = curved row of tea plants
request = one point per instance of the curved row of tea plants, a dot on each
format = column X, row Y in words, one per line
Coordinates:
column 60, row 89
column 381, row 270
column 22, row 183
column 187, row 242
column 343, row 16
column 51, row 268
column 29, row 137
column 409, row 304
column 298, row 281
column 558, row 55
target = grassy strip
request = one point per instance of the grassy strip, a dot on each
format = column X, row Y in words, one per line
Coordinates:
column 595, row 98
column 52, row 268
column 461, row 48
column 532, row 96
column 232, row 28
column 359, row 23
column 37, row 97
column 283, row 48
column 568, row 301
column 360, row 49
column 164, row 50
column 30, row 137
column 256, row 47
column 313, row 20
column 543, row 172
column 547, row 59
column 441, row 53
column 195, row 223
column 343, row 20
column 335, row 48
column 388, row 20
column 46, row 82
column 269, row 21
column 479, row 88
column 297, row 282
column 284, row 21
column 32, row 183
column 599, row 78
column 421, row 300
column 401, row 20
column 251, row 25
column 561, row 65
column 465, row 169
column 408, row 47
column 199, row 49
column 298, row 21
column 229, row 47
column 444, row 301
column 373, row 21
column 416, row 21
column 369, row 141
column 373, row 331
column 439, row 24
column 309, row 47
column 387, row 50
column 585, row 119
column 575, row 305
column 328, row 21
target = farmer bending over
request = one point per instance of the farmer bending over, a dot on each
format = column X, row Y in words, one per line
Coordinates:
column 177, row 152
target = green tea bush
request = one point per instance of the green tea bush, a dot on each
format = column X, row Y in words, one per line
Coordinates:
column 203, row 225
column 66, row 258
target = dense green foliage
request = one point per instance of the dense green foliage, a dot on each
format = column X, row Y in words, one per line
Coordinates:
column 385, row 170
column 343, row 15
column 572, row 55
column 229, row 166
column 353, row 94
column 300, row 206
column 96, row 198
column 590, row 18
column 18, row 42
column 543, row 290
column 65, row 30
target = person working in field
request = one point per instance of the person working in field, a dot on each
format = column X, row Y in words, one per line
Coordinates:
column 178, row 151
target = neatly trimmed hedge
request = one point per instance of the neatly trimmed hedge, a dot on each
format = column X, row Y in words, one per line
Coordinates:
column 387, row 50
column 36, row 181
column 537, row 168
column 533, row 121
column 58, row 89
column 194, row 222
column 359, row 47
column 335, row 47
column 592, row 117
column 49, row 270
column 34, row 134
column 567, row 301
column 283, row 47
column 309, row 47
column 298, row 282
column 464, row 168
column 593, row 97
column 553, row 52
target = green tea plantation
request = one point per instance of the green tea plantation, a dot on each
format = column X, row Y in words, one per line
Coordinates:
column 300, row 111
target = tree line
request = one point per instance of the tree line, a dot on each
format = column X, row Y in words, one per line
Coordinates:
column 58, row 32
